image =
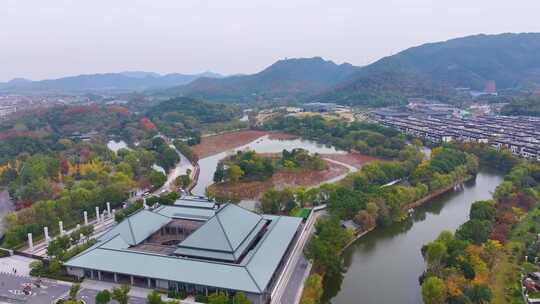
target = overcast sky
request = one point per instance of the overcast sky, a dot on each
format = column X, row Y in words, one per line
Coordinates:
column 48, row 39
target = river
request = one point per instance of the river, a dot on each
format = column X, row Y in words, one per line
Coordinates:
column 261, row 145
column 384, row 266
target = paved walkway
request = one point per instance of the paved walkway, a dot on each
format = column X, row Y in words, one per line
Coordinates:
column 21, row 264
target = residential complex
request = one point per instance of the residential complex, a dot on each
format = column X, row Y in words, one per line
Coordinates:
column 519, row 134
column 195, row 245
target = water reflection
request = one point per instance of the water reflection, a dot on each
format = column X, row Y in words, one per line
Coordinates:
column 384, row 266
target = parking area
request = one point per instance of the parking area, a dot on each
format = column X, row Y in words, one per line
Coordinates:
column 12, row 290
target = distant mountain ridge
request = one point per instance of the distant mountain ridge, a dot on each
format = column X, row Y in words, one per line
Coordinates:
column 124, row 81
column 286, row 78
column 435, row 69
column 430, row 70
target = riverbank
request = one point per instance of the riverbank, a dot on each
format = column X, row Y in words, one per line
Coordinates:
column 414, row 205
column 391, row 256
column 281, row 179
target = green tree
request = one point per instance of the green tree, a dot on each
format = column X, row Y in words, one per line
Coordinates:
column 157, row 179
column 154, row 298
column 74, row 291
column 483, row 210
column 234, row 173
column 103, row 297
column 433, row 291
column 120, row 294
column 241, row 298
column 219, row 175
column 479, row 294
column 475, row 231
column 218, row 298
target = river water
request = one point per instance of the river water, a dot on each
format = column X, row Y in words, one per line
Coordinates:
column 384, row 266
column 261, row 145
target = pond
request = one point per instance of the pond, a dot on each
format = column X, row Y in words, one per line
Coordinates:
column 384, row 266
column 261, row 145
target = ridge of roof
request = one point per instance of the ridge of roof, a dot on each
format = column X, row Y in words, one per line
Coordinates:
column 253, row 279
column 225, row 233
column 131, row 231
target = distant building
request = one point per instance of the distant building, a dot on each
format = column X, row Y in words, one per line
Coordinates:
column 196, row 246
column 321, row 107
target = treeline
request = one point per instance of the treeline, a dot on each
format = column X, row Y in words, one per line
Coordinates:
column 366, row 138
column 526, row 106
column 181, row 117
column 478, row 263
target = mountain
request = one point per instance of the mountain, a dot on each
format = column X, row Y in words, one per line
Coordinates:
column 435, row 69
column 288, row 78
column 125, row 81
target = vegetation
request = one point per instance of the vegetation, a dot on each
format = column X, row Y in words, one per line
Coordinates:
column 366, row 138
column 529, row 106
column 480, row 262
column 184, row 117
column 103, row 297
column 250, row 166
column 313, row 289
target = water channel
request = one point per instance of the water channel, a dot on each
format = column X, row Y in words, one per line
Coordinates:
column 384, row 266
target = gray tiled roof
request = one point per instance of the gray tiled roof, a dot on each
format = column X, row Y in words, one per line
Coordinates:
column 238, row 228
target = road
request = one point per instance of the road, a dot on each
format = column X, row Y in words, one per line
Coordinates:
column 6, row 205
column 293, row 266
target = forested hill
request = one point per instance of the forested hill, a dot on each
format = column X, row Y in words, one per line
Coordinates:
column 288, row 78
column 125, row 81
column 434, row 69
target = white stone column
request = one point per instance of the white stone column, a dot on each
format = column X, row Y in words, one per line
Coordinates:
column 132, row 280
column 97, row 214
column 149, row 283
column 46, row 232
column 115, row 278
column 30, row 242
column 61, row 226
column 85, row 218
column 99, row 275
column 108, row 209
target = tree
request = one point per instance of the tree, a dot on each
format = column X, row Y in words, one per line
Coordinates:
column 475, row 231
column 218, row 298
column 73, row 291
column 87, row 230
column 241, row 298
column 103, row 297
column 234, row 173
column 157, row 179
column 433, row 291
column 154, row 298
column 120, row 294
column 479, row 294
column 183, row 181
column 219, row 175
column 436, row 252
column 483, row 210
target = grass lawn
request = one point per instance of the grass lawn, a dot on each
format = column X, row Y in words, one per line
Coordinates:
column 504, row 282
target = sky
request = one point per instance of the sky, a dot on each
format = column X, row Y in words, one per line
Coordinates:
column 50, row 39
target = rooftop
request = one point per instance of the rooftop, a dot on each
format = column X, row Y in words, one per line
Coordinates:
column 229, row 242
